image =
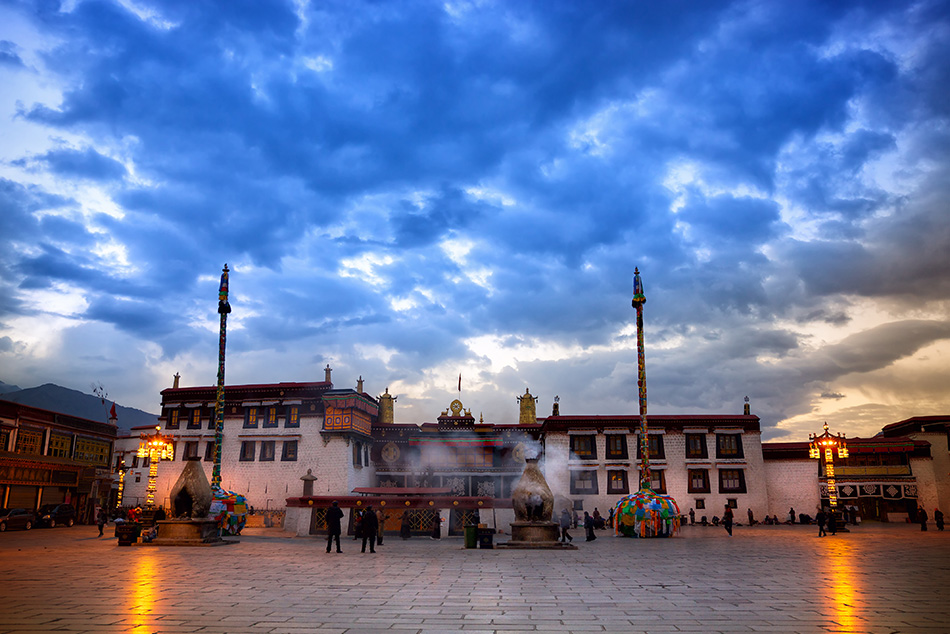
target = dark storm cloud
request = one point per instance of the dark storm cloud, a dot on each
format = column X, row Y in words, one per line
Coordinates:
column 410, row 176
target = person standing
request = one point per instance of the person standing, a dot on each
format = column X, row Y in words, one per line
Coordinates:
column 565, row 524
column 437, row 525
column 101, row 520
column 922, row 517
column 589, row 527
column 358, row 524
column 820, row 519
column 938, row 519
column 381, row 520
column 405, row 525
column 370, row 526
column 692, row 517
column 610, row 517
column 727, row 518
column 334, row 515
column 751, row 517
column 791, row 515
column 832, row 522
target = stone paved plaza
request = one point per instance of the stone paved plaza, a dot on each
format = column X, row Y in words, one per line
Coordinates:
column 878, row 578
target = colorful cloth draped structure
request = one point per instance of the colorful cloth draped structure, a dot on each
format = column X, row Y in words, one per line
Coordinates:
column 229, row 510
column 647, row 514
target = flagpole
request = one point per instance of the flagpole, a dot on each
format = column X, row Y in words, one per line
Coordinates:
column 223, row 309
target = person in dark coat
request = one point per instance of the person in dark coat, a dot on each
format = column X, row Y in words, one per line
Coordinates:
column 820, row 519
column 938, row 519
column 565, row 524
column 589, row 527
column 370, row 526
column 334, row 515
column 832, row 522
column 101, row 519
column 922, row 518
column 751, row 518
column 727, row 518
column 405, row 525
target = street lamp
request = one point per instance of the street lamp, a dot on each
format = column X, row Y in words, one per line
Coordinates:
column 155, row 447
column 822, row 448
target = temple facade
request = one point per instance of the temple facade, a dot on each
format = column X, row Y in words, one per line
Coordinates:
column 295, row 447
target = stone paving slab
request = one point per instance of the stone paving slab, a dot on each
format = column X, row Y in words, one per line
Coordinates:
column 877, row 579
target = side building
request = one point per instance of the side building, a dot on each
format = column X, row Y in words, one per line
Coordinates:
column 52, row 458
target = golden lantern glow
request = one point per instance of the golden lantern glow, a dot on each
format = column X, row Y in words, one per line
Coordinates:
column 824, row 447
column 156, row 448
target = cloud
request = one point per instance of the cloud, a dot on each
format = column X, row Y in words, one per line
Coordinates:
column 404, row 190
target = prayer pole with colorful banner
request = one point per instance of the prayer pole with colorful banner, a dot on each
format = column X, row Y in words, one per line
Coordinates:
column 223, row 309
column 639, row 299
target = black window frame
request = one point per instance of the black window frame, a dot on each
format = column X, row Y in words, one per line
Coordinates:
column 209, row 451
column 703, row 450
column 741, row 488
column 616, row 453
column 617, row 482
column 190, row 450
column 288, row 452
column 292, row 416
column 593, row 490
column 248, row 448
column 173, row 418
column 270, row 420
column 588, row 438
column 720, row 449
column 268, row 451
column 691, row 487
column 251, row 417
column 659, row 444
column 661, row 488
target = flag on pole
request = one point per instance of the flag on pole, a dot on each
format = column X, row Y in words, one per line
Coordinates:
column 112, row 411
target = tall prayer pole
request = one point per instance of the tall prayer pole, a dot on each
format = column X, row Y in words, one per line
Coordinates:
column 223, row 309
column 639, row 299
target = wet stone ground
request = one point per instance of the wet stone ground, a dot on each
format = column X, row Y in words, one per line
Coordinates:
column 878, row 578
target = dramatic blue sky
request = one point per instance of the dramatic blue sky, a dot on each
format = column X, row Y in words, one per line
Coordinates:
column 410, row 191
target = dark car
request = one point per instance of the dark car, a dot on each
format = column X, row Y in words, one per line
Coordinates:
column 53, row 515
column 16, row 518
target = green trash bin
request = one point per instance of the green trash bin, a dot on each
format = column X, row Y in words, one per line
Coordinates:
column 471, row 536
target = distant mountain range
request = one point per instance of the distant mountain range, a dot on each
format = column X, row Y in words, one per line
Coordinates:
column 63, row 400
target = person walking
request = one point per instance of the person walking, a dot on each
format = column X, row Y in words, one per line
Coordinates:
column 922, row 518
column 565, row 523
column 727, row 518
column 820, row 519
column 610, row 517
column 370, row 526
column 405, row 525
column 938, row 519
column 101, row 520
column 692, row 517
column 334, row 515
column 589, row 527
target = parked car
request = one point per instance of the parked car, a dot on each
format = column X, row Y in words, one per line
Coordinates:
column 53, row 515
column 16, row 518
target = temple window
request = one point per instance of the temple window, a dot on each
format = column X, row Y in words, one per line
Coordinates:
column 191, row 450
column 290, row 451
column 617, row 446
column 584, row 482
column 247, row 450
column 194, row 421
column 696, row 446
column 209, row 451
column 267, row 451
column 658, row 480
column 617, row 482
column 731, row 481
column 728, row 446
column 292, row 418
column 172, row 422
column 250, row 418
column 584, row 447
column 698, row 480
column 270, row 417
